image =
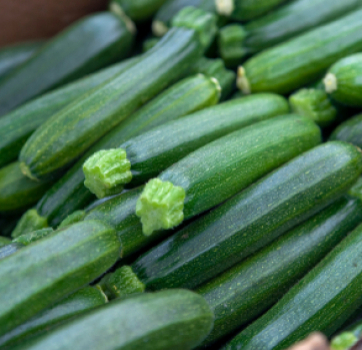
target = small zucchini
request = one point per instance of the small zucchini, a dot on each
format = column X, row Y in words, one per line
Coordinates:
column 349, row 131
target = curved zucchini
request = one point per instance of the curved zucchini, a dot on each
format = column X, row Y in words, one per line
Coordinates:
column 145, row 156
column 349, row 131
column 302, row 60
column 322, row 300
column 89, row 44
column 343, row 81
column 248, row 289
column 75, row 304
column 92, row 248
column 17, row 126
column 220, row 169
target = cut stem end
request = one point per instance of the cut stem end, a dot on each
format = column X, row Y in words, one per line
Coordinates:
column 225, row 7
column 242, row 81
column 330, row 83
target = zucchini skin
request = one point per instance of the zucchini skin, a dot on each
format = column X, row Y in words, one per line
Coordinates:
column 84, row 299
column 51, row 257
column 322, row 301
column 94, row 42
column 301, row 60
column 349, row 131
column 17, row 126
column 171, row 319
column 10, row 249
column 242, row 293
column 251, row 219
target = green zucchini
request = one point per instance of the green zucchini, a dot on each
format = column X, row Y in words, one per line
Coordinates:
column 28, row 238
column 18, row 125
column 17, row 192
column 69, row 258
column 4, row 241
column 343, row 81
column 356, row 189
column 75, row 304
column 247, row 222
column 145, row 156
column 149, row 43
column 76, row 127
column 349, row 131
column 9, row 249
column 303, row 59
column 171, row 319
column 248, row 289
column 323, row 300
column 220, row 169
column 89, row 44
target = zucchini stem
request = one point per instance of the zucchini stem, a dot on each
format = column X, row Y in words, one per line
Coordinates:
column 330, row 83
column 159, row 28
column 225, row 7
column 29, row 222
column 115, row 8
column 242, row 82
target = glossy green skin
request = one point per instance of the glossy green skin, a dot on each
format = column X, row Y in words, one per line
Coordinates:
column 217, row 171
column 89, row 44
column 349, row 131
column 69, row 259
column 184, row 97
column 17, row 126
column 302, row 60
column 10, row 249
column 252, row 219
column 348, row 72
column 159, row 148
column 292, row 19
column 75, row 304
column 17, row 192
column 251, row 287
column 105, row 107
column 322, row 301
column 171, row 319
column 245, row 10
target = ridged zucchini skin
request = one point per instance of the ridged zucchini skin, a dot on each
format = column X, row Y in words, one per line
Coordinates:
column 301, row 60
column 220, row 169
column 157, row 149
column 69, row 259
column 245, row 291
column 349, row 131
column 252, row 219
column 84, row 299
column 17, row 192
column 346, row 87
column 91, row 43
column 105, row 107
column 17, row 126
column 323, row 300
column 171, row 319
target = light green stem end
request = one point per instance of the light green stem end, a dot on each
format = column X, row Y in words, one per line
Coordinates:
column 159, row 28
column 116, row 8
column 26, row 171
column 225, row 7
column 330, row 83
column 344, row 341
column 124, row 282
column 160, row 206
column 107, row 171
column 28, row 238
column 72, row 218
column 29, row 222
column 242, row 82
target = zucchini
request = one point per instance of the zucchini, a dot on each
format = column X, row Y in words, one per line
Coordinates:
column 248, row 289
column 349, row 131
column 9, row 249
column 171, row 319
column 249, row 221
column 76, row 127
column 220, row 169
column 92, row 248
column 343, row 81
column 17, row 192
column 356, row 189
column 84, row 299
column 145, row 156
column 17, row 126
column 323, row 300
column 303, row 59
column 91, row 43
column 28, row 238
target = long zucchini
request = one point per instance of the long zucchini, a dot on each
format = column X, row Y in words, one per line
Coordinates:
column 251, row 287
column 171, row 319
column 55, row 266
column 349, row 131
column 89, row 44
column 145, row 156
column 220, row 169
column 323, row 300
column 303, row 59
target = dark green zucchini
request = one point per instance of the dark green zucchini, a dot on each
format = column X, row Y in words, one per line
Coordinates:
column 75, row 304
column 18, row 125
column 323, row 300
column 349, row 131
column 55, row 266
column 303, row 59
column 89, row 44
column 28, row 238
column 145, row 156
column 220, row 169
column 344, row 81
column 248, row 289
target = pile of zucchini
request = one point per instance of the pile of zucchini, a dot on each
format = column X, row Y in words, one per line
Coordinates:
column 184, row 174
